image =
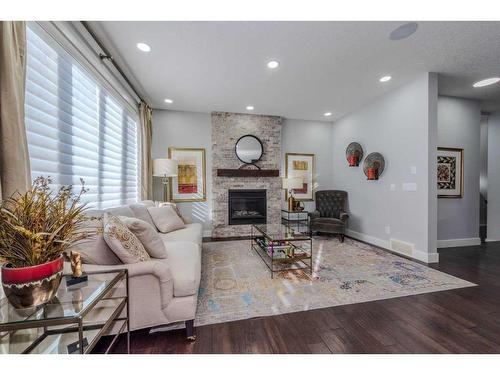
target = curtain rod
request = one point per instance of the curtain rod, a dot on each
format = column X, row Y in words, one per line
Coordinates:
column 107, row 56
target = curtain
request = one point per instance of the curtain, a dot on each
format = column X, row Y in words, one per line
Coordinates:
column 14, row 158
column 146, row 132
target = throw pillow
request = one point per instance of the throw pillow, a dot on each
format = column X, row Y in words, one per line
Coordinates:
column 141, row 212
column 122, row 241
column 166, row 219
column 94, row 249
column 147, row 234
column 176, row 208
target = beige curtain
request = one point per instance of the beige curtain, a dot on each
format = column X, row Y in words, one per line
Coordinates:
column 14, row 158
column 146, row 124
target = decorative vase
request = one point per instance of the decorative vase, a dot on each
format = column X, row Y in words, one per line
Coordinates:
column 372, row 173
column 32, row 286
column 353, row 160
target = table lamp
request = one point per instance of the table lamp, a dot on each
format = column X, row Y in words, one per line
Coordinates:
column 165, row 168
column 289, row 184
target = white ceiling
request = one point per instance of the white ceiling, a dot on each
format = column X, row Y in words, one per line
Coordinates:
column 325, row 66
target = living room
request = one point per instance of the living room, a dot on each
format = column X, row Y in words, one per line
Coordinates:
column 249, row 187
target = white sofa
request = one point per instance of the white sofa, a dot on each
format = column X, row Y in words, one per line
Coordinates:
column 161, row 291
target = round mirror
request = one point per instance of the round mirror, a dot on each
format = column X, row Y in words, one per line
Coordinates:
column 249, row 149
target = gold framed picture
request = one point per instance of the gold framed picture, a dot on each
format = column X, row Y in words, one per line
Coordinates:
column 301, row 165
column 450, row 172
column 190, row 183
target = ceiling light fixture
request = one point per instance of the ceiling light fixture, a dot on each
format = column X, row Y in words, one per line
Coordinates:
column 143, row 47
column 385, row 78
column 273, row 64
column 327, row 114
column 486, row 82
column 404, row 31
column 169, row 101
column 249, row 107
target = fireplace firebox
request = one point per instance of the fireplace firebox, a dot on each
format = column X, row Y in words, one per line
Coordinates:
column 247, row 206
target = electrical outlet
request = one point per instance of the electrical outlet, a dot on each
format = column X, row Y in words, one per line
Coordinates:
column 413, row 170
column 387, row 230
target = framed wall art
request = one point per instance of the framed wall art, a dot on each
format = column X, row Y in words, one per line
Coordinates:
column 190, row 183
column 301, row 165
column 450, row 172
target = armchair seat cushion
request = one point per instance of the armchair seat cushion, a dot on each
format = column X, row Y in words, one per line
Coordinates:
column 327, row 220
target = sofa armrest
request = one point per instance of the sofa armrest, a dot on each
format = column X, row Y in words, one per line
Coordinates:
column 314, row 215
column 150, row 267
column 343, row 216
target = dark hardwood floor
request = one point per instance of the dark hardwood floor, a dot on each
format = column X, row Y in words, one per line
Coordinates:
column 457, row 321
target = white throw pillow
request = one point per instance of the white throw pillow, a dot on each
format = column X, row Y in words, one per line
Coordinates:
column 166, row 219
column 176, row 208
column 148, row 235
column 122, row 241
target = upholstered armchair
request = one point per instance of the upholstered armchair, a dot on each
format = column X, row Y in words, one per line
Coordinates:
column 330, row 215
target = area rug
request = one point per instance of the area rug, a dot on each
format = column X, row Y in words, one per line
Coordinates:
column 236, row 284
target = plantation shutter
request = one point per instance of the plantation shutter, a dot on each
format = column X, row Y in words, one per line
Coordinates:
column 76, row 128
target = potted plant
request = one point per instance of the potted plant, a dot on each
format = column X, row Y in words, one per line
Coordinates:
column 36, row 228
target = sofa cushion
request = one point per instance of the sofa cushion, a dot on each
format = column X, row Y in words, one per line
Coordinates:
column 191, row 233
column 148, row 236
column 122, row 241
column 165, row 219
column 177, row 210
column 95, row 250
column 184, row 261
column 140, row 211
column 120, row 211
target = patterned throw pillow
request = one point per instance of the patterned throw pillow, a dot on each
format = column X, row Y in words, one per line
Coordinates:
column 122, row 241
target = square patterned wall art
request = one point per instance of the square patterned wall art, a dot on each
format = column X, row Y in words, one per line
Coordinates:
column 189, row 185
column 301, row 165
column 450, row 172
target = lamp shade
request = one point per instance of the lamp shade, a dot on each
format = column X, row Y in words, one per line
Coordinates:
column 165, row 167
column 290, row 183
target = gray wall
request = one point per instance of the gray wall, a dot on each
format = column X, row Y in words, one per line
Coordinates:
column 458, row 127
column 483, row 173
column 310, row 137
column 185, row 129
column 493, row 178
column 401, row 126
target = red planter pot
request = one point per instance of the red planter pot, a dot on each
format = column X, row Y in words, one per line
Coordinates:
column 353, row 160
column 32, row 286
column 372, row 173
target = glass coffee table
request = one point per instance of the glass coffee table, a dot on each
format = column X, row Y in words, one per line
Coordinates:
column 73, row 321
column 283, row 248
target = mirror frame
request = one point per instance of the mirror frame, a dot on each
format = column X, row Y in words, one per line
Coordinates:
column 261, row 147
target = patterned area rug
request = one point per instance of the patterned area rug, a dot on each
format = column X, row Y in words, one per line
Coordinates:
column 236, row 284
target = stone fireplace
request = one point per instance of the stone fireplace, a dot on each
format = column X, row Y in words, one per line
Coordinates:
column 247, row 206
column 227, row 128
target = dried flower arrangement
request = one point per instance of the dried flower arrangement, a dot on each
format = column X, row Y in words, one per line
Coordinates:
column 38, row 226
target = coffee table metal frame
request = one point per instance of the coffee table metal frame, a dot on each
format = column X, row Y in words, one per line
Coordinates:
column 76, row 321
column 274, row 255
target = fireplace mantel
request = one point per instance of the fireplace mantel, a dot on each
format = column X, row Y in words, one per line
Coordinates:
column 248, row 172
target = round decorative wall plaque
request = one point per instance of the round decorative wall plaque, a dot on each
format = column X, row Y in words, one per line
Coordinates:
column 354, row 154
column 374, row 165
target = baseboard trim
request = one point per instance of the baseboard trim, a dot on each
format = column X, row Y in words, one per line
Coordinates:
column 458, row 242
column 207, row 233
column 491, row 240
column 416, row 254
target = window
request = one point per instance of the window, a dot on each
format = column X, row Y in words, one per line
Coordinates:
column 76, row 129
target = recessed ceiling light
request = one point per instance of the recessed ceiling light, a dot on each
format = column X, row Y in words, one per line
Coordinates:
column 487, row 82
column 169, row 101
column 143, row 47
column 249, row 107
column 273, row 64
column 385, row 78
column 404, row 31
column 327, row 114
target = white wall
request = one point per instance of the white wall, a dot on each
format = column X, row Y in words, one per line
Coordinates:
column 185, row 129
column 402, row 125
column 310, row 137
column 459, row 127
column 493, row 178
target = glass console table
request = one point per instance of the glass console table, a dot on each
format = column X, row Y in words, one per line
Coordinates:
column 73, row 321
